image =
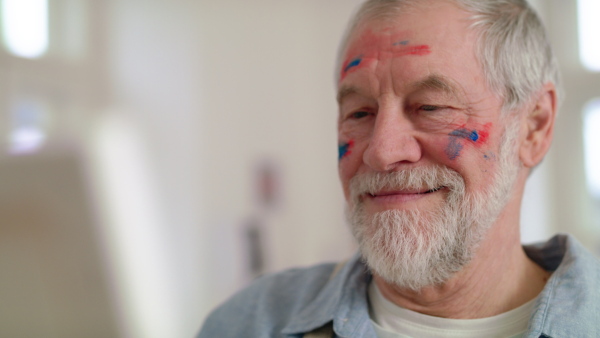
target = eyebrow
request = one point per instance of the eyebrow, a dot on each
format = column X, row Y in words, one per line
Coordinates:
column 439, row 83
column 432, row 82
column 345, row 91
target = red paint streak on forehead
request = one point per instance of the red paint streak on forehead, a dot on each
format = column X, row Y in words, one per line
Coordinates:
column 370, row 47
column 418, row 50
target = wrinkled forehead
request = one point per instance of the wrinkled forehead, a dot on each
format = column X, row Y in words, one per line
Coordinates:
column 378, row 44
column 442, row 27
column 384, row 13
column 403, row 19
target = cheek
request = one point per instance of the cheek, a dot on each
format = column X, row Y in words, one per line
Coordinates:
column 454, row 148
column 468, row 139
column 349, row 162
column 345, row 149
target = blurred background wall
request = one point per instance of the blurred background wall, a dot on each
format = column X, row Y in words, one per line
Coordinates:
column 158, row 155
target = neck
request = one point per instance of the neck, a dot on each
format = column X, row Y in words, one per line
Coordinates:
column 500, row 278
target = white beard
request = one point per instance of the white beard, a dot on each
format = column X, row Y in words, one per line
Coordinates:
column 414, row 249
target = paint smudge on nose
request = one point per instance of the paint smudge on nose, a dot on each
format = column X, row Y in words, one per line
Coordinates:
column 345, row 149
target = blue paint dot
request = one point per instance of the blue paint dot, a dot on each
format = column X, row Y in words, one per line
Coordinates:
column 352, row 64
column 466, row 134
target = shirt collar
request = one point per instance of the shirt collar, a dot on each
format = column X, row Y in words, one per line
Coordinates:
column 343, row 300
column 570, row 301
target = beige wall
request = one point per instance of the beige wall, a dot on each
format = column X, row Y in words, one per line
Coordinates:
column 215, row 89
column 52, row 282
column 175, row 108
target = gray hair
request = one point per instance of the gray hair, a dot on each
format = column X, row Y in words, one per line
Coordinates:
column 513, row 47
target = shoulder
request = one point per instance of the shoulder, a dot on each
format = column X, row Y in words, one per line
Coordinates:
column 569, row 305
column 563, row 253
column 263, row 308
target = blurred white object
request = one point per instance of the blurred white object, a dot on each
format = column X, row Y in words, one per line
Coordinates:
column 25, row 27
column 26, row 140
column 133, row 230
column 589, row 26
column 28, row 126
column 591, row 136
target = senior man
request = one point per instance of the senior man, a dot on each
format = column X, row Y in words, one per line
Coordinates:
column 445, row 107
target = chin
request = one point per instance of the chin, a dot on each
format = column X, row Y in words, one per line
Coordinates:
column 413, row 248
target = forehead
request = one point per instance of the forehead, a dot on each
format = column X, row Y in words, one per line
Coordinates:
column 434, row 37
column 414, row 16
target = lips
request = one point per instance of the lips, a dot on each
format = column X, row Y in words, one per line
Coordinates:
column 405, row 192
column 433, row 190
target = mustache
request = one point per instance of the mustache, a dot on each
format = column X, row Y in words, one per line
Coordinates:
column 426, row 178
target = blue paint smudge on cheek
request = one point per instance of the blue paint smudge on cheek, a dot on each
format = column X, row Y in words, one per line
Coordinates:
column 454, row 148
column 343, row 150
column 466, row 134
column 489, row 156
column 354, row 63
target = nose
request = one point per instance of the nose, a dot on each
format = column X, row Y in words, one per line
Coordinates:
column 392, row 142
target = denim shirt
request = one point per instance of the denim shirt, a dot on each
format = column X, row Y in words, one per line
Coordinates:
column 297, row 301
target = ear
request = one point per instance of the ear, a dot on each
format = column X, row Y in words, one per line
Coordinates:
column 539, row 124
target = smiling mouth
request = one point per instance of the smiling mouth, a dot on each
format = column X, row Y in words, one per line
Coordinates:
column 406, row 193
column 433, row 190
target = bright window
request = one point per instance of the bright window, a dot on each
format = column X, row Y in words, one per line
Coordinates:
column 589, row 29
column 25, row 27
column 592, row 146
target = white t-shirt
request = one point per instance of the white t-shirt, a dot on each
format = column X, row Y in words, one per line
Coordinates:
column 392, row 321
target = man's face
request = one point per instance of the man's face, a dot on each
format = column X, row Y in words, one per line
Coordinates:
column 414, row 102
column 412, row 94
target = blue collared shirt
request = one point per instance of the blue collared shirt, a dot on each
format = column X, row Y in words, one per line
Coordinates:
column 297, row 301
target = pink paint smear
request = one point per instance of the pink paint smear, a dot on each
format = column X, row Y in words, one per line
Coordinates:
column 371, row 47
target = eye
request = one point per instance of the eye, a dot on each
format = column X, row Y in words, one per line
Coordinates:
column 430, row 108
column 359, row 115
